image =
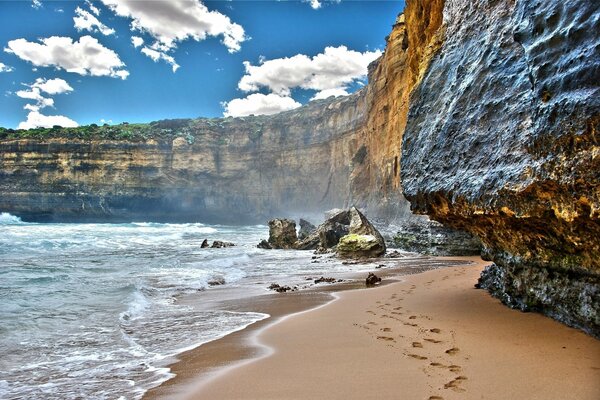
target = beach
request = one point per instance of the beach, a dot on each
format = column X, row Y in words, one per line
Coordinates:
column 431, row 336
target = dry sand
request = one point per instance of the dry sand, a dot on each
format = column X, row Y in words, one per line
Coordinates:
column 432, row 336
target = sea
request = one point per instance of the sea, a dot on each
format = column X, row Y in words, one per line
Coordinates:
column 97, row 311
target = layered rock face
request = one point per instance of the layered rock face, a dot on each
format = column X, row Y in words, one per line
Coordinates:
column 235, row 170
column 502, row 141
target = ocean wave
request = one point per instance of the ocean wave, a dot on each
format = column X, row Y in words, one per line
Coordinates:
column 9, row 219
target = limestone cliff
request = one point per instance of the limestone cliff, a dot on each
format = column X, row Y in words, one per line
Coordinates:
column 232, row 170
column 501, row 140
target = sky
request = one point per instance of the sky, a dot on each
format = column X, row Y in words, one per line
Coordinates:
column 73, row 63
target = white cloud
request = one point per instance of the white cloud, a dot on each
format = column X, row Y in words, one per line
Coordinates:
column 5, row 68
column 258, row 104
column 315, row 4
column 48, row 86
column 137, row 41
column 93, row 8
column 37, row 120
column 335, row 68
column 156, row 55
column 52, row 86
column 85, row 56
column 171, row 22
column 323, row 94
column 84, row 20
column 37, row 4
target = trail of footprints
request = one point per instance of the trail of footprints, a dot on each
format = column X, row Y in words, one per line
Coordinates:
column 441, row 356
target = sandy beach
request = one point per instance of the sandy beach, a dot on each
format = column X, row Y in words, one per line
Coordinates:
column 430, row 336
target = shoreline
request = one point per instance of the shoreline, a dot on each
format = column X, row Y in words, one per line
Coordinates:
column 239, row 347
column 359, row 346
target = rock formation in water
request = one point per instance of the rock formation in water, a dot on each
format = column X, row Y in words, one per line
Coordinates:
column 502, row 141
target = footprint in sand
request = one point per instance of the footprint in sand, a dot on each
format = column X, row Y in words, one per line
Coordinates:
column 436, row 364
column 386, row 329
column 432, row 340
column 371, row 312
column 454, row 368
column 409, row 324
column 454, row 384
column 435, row 398
column 435, row 330
column 396, row 313
column 418, row 357
column 412, row 317
column 386, row 338
column 371, row 323
column 398, row 308
column 417, row 344
column 452, row 351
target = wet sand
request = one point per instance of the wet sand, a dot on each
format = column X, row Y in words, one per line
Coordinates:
column 432, row 336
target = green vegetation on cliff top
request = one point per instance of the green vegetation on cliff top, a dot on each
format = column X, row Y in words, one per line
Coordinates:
column 169, row 129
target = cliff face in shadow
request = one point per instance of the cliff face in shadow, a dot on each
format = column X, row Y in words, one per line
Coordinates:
column 509, row 112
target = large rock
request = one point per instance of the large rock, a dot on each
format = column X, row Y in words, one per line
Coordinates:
column 306, row 228
column 363, row 240
column 502, row 141
column 282, row 233
column 328, row 234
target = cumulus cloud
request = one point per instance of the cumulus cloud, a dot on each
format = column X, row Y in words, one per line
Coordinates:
column 258, row 104
column 329, row 74
column 37, row 4
column 35, row 92
column 86, row 21
column 48, row 86
column 335, row 68
column 37, row 120
column 137, row 41
column 171, row 22
column 85, row 56
column 5, row 68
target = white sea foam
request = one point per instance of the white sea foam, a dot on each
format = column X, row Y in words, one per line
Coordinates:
column 9, row 219
column 109, row 305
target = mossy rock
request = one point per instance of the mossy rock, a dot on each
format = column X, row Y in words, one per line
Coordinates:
column 360, row 246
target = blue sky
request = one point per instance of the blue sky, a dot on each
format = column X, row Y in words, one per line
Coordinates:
column 77, row 60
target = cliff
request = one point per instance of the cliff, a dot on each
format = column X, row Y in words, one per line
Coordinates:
column 329, row 153
column 509, row 110
column 232, row 170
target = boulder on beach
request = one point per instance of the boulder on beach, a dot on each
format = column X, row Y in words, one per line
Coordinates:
column 372, row 279
column 282, row 233
column 363, row 240
column 306, row 228
column 328, row 234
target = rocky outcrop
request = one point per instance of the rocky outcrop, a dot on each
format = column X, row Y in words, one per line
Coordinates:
column 433, row 238
column 306, row 229
column 363, row 240
column 282, row 234
column 502, row 141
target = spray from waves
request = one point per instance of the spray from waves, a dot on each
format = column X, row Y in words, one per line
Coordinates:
column 9, row 219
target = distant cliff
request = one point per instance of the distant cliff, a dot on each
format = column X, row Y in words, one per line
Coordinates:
column 232, row 170
column 502, row 140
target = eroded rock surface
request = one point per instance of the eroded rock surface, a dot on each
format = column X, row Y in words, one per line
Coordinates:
column 282, row 233
column 363, row 239
column 502, row 141
column 433, row 238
